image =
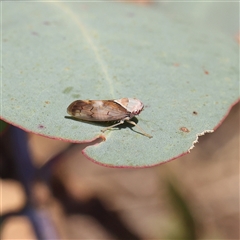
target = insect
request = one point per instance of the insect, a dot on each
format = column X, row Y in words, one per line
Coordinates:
column 118, row 110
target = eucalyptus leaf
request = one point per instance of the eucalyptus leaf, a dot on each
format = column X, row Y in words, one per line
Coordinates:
column 56, row 52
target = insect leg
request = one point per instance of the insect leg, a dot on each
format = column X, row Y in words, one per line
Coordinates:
column 114, row 125
column 142, row 131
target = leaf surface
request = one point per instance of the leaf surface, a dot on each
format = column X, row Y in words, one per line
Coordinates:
column 56, row 52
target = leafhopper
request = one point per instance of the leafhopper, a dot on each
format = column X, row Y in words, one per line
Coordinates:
column 118, row 111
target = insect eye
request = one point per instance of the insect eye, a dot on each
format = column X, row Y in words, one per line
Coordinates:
column 137, row 112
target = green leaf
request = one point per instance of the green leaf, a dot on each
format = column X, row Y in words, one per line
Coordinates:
column 54, row 53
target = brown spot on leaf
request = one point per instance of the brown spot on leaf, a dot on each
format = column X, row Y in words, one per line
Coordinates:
column 47, row 23
column 102, row 137
column 195, row 113
column 184, row 129
column 141, row 1
column 35, row 34
column 40, row 126
column 238, row 38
